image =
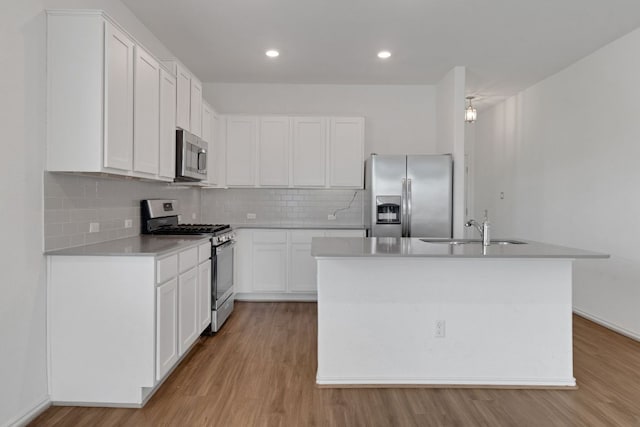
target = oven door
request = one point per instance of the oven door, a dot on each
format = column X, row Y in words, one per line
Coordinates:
column 222, row 277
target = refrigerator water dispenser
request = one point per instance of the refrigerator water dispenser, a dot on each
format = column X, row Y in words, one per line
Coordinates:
column 388, row 209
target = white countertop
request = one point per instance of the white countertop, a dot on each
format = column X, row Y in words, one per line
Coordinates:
column 344, row 247
column 143, row 245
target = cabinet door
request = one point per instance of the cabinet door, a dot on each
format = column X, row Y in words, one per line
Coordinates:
column 204, row 295
column 183, row 104
column 207, row 117
column 243, row 266
column 241, row 151
column 166, row 327
column 167, row 168
column 346, row 166
column 146, row 126
column 269, row 255
column 309, row 151
column 273, row 163
column 303, row 272
column 196, row 107
column 187, row 310
column 118, row 114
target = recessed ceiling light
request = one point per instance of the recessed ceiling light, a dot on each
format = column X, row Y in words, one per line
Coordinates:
column 272, row 53
column 384, row 54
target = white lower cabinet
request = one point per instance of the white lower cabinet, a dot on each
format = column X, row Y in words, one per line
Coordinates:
column 276, row 264
column 187, row 310
column 269, row 254
column 166, row 327
column 139, row 317
column 302, row 274
column 204, row 294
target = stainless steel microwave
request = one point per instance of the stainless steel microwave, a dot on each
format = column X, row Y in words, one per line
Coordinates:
column 191, row 157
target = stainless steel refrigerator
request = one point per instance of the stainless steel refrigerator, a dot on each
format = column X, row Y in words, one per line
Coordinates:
column 409, row 196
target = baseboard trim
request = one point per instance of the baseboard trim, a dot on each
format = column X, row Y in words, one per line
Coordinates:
column 551, row 383
column 600, row 321
column 31, row 414
column 269, row 297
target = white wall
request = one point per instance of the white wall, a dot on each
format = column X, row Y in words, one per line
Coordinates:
column 399, row 119
column 450, row 137
column 565, row 153
column 23, row 382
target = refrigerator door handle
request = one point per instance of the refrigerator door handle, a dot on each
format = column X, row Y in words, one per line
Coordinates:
column 403, row 207
column 409, row 207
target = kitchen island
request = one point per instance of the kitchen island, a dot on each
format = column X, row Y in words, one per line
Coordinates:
column 404, row 312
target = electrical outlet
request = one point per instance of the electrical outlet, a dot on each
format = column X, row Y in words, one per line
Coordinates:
column 194, row 216
column 251, row 216
column 128, row 223
column 331, row 217
column 94, row 227
column 440, row 329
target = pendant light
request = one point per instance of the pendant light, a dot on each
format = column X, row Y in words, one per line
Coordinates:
column 470, row 113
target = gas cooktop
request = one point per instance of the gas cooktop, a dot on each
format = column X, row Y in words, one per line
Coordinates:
column 192, row 229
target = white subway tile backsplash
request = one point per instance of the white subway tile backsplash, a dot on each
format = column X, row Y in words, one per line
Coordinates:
column 71, row 202
column 282, row 206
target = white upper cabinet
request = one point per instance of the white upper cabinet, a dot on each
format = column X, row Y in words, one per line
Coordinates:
column 346, row 148
column 213, row 168
column 309, row 151
column 146, row 127
column 110, row 104
column 207, row 125
column 167, row 167
column 188, row 98
column 183, row 104
column 196, row 107
column 273, row 155
column 241, row 150
column 118, row 138
column 321, row 152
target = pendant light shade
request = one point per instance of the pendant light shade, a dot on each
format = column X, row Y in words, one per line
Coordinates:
column 470, row 113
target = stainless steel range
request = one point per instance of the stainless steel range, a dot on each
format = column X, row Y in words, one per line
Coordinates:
column 160, row 216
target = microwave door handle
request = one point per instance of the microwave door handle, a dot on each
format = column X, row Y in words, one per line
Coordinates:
column 202, row 160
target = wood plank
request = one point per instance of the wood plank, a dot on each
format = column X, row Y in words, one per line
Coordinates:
column 260, row 371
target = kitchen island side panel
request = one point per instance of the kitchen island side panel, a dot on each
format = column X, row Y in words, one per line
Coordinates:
column 507, row 322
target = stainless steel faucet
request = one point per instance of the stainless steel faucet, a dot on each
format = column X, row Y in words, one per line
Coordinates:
column 483, row 229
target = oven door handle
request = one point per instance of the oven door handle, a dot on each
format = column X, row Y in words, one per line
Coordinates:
column 228, row 245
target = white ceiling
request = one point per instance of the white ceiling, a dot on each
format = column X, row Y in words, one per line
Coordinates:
column 507, row 45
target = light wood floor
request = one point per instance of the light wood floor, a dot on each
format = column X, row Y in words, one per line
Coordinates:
column 260, row 371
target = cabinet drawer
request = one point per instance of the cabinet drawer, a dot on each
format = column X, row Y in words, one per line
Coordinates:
column 166, row 268
column 188, row 259
column 270, row 237
column 204, row 252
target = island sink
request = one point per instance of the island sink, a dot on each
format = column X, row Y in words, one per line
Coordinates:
column 473, row 241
